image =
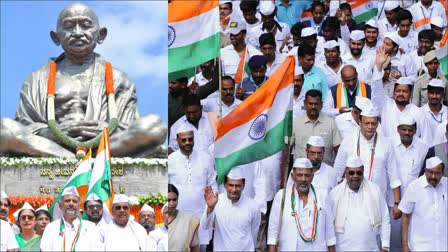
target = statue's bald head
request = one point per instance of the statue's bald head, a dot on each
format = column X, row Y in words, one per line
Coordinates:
column 78, row 9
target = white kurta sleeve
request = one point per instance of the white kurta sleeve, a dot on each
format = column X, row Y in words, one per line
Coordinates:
column 385, row 223
column 172, row 142
column 408, row 201
column 211, row 174
column 330, row 235
column 423, row 128
column 255, row 224
column 379, row 96
column 207, row 221
column 328, row 107
column 341, row 158
column 9, row 242
column 260, row 187
column 274, row 218
column 345, row 33
column 392, row 169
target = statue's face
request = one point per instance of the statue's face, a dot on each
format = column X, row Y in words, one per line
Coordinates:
column 78, row 29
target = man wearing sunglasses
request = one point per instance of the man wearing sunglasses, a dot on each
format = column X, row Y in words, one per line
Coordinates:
column 93, row 207
column 360, row 211
column 124, row 233
column 5, row 203
column 71, row 233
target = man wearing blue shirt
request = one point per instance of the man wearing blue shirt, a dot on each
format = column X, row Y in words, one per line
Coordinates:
column 290, row 11
column 314, row 76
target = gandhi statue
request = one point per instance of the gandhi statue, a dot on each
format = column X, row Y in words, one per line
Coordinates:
column 68, row 102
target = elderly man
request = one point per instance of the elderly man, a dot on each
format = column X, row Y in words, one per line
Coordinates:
column 70, row 233
column 360, row 211
column 349, row 122
column 147, row 218
column 315, row 123
column 158, row 238
column 191, row 171
column 182, row 226
column 356, row 57
column 375, row 151
column 425, row 202
column 236, row 217
column 392, row 108
column 5, row 204
column 299, row 231
column 124, row 233
column 65, row 105
column 343, row 94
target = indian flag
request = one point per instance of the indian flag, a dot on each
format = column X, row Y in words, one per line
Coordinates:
column 101, row 180
column 256, row 129
column 306, row 15
column 363, row 10
column 193, row 36
column 79, row 179
column 442, row 54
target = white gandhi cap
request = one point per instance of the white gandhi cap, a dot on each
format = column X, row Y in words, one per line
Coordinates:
column 371, row 112
column 71, row 190
column 267, row 8
column 362, row 103
column 308, row 31
column 436, row 83
column 406, row 119
column 146, row 207
column 354, row 162
column 236, row 173
column 357, row 35
column 330, row 44
column 120, row 198
column 303, row 163
column 431, row 163
column 316, row 141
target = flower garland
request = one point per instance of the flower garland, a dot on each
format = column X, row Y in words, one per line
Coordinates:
column 295, row 215
column 80, row 147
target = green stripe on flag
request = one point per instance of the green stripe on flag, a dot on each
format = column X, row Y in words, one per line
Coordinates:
column 271, row 144
column 366, row 15
column 102, row 187
column 247, row 69
column 444, row 64
column 189, row 56
column 189, row 72
column 80, row 180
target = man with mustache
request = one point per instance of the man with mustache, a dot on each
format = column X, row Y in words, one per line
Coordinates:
column 349, row 122
column 307, row 222
column 93, row 207
column 147, row 218
column 71, row 233
column 124, row 233
column 434, row 111
column 228, row 100
column 299, row 93
column 5, row 204
column 409, row 152
column 333, row 63
column 392, row 108
column 360, row 211
column 191, row 171
column 315, row 123
column 423, row 203
column 356, row 57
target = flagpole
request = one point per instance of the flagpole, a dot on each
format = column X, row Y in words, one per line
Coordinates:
column 285, row 169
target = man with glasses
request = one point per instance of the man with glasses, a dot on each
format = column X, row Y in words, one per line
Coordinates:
column 147, row 218
column 124, row 233
column 5, row 203
column 93, row 207
column 360, row 211
column 71, row 233
column 424, row 208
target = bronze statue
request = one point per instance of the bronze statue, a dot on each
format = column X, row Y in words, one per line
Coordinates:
column 65, row 105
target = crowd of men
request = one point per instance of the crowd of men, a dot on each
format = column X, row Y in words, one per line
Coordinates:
column 99, row 230
column 370, row 132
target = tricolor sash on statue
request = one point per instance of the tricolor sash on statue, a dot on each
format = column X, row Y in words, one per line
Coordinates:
column 257, row 128
column 363, row 10
column 442, row 54
column 101, row 180
column 79, row 179
column 193, row 36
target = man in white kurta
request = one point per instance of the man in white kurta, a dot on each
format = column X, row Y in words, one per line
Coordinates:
column 304, row 211
column 191, row 171
column 363, row 62
column 391, row 109
column 158, row 238
column 236, row 217
column 360, row 211
column 70, row 233
column 425, row 208
column 434, row 111
column 124, row 233
column 348, row 123
column 8, row 240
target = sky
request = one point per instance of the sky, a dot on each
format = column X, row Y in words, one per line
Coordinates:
column 136, row 44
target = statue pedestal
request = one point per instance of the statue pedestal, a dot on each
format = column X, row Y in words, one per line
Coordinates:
column 35, row 176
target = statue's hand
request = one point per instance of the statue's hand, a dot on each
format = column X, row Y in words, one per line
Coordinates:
column 81, row 130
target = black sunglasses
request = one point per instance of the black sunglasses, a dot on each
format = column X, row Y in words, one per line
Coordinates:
column 359, row 173
column 121, row 207
column 91, row 207
column 184, row 140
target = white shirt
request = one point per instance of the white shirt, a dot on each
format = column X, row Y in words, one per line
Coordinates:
column 428, row 207
column 410, row 42
column 383, row 27
column 405, row 65
column 7, row 238
column 160, row 238
column 279, row 35
column 390, row 114
column 418, row 61
column 131, row 237
column 230, row 59
column 252, row 34
column 333, row 78
column 363, row 65
column 289, row 235
column 236, row 225
column 203, row 135
column 298, row 106
column 434, row 120
column 89, row 236
column 212, row 105
column 439, row 134
column 320, row 57
column 383, row 169
column 359, row 234
column 346, row 124
column 191, row 175
column 279, row 58
column 324, row 180
column 419, row 12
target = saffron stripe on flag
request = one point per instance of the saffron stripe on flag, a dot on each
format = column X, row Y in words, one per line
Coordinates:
column 264, row 100
column 356, row 3
column 182, row 10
